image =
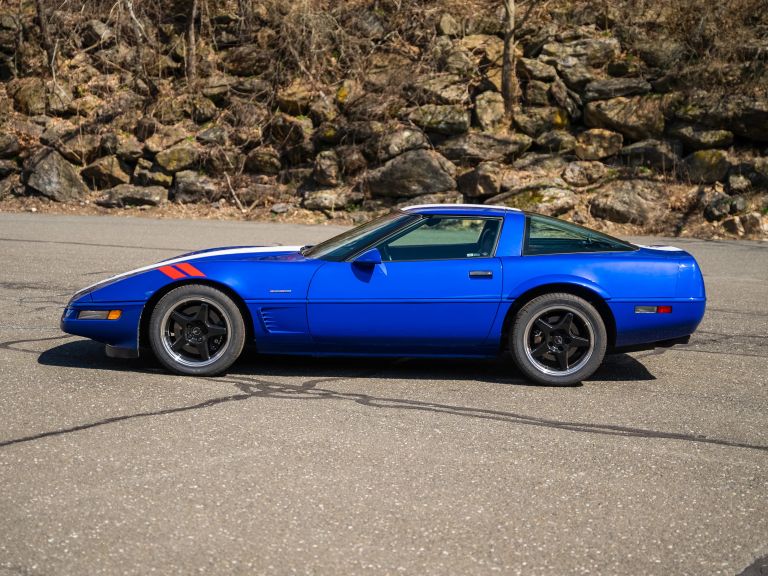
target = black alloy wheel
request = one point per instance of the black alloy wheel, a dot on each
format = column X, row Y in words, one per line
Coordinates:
column 558, row 339
column 197, row 330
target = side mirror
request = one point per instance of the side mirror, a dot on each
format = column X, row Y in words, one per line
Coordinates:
column 369, row 258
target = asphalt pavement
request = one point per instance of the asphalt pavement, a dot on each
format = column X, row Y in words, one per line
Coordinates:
column 656, row 465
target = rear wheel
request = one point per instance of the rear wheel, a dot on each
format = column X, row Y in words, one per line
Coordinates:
column 558, row 339
column 196, row 330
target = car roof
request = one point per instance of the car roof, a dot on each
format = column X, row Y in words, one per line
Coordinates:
column 474, row 209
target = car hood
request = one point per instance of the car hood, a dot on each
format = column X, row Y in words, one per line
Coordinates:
column 227, row 253
column 236, row 253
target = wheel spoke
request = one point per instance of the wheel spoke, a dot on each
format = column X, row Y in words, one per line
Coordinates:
column 202, row 349
column 216, row 330
column 202, row 313
column 579, row 342
column 180, row 318
column 562, row 359
column 565, row 323
column 540, row 350
column 178, row 344
column 542, row 325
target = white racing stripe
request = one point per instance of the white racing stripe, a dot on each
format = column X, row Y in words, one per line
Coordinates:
column 663, row 248
column 211, row 254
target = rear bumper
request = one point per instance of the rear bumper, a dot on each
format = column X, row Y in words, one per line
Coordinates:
column 634, row 329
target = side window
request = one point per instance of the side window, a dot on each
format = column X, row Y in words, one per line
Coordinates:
column 544, row 235
column 444, row 238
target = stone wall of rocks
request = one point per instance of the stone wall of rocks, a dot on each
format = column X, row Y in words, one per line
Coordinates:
column 600, row 136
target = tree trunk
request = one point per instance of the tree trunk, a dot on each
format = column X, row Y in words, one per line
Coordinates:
column 45, row 33
column 510, row 88
column 192, row 45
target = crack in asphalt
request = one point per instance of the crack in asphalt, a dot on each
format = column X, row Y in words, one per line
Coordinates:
column 95, row 244
column 253, row 387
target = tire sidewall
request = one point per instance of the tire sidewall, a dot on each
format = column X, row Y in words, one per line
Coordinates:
column 190, row 291
column 518, row 338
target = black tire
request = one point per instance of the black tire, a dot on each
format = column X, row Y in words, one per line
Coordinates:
column 196, row 330
column 558, row 339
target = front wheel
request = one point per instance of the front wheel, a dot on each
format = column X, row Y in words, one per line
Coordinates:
column 196, row 330
column 558, row 339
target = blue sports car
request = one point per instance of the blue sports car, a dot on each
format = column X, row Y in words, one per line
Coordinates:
column 433, row 280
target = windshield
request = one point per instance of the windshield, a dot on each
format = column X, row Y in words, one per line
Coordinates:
column 352, row 241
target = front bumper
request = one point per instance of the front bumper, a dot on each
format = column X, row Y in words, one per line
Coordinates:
column 122, row 333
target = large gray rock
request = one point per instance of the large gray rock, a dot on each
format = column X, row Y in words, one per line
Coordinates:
column 413, row 173
column 448, row 26
column 80, row 148
column 442, row 119
column 629, row 201
column 164, row 137
column 657, row 154
column 263, row 160
column 327, row 200
column 291, row 130
column 474, row 148
column 439, row 89
column 149, row 174
column 326, row 172
column 614, row 87
column 130, row 195
column 536, row 121
column 401, row 140
column 535, row 70
column 442, row 198
column 296, row 98
column 106, row 172
column 179, row 157
column 49, row 174
column 596, row 144
column 489, row 111
column 483, row 181
column 638, row 118
column 560, row 141
column 585, row 173
column 698, row 137
column 565, row 98
column 8, row 167
column 707, row 166
column 9, row 146
column 547, row 200
column 745, row 115
column 9, row 185
column 537, row 93
column 191, row 187
column 28, row 96
column 595, row 52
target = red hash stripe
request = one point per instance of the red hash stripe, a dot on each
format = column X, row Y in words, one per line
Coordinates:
column 189, row 269
column 171, row 272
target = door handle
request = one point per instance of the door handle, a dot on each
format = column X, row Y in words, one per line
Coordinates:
column 480, row 274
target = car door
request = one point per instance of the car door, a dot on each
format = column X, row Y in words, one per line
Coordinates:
column 437, row 289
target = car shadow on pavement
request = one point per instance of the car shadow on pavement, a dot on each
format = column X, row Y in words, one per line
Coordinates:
column 312, row 379
column 90, row 355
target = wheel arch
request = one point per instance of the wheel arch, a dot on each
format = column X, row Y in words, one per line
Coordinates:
column 146, row 312
column 591, row 296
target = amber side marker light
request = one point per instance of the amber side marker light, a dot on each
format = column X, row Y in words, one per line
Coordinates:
column 99, row 314
column 653, row 309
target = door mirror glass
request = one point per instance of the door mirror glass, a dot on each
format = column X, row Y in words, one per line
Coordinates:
column 369, row 258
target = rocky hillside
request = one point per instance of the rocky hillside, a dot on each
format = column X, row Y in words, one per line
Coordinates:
column 631, row 115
